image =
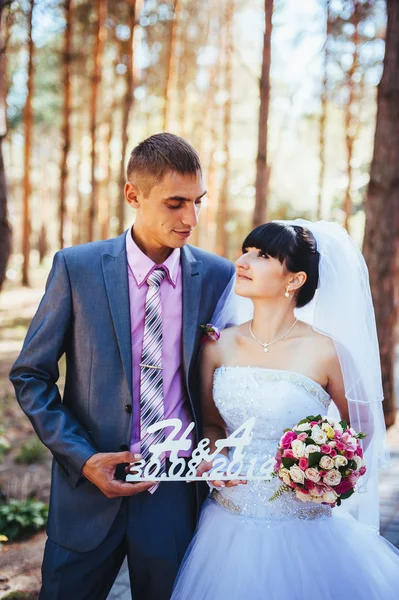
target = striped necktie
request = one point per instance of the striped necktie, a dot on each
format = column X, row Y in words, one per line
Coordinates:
column 151, row 388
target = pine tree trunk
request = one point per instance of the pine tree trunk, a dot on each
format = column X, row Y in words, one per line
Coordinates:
column 171, row 67
column 126, row 108
column 262, row 169
column 222, row 235
column 350, row 125
column 66, row 130
column 28, row 124
column 381, row 242
column 323, row 117
column 5, row 229
column 101, row 33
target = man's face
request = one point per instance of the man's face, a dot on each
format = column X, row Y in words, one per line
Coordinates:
column 169, row 213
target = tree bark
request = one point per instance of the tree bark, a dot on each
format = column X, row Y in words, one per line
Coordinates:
column 262, row 168
column 171, row 66
column 66, row 130
column 101, row 33
column 323, row 117
column 28, row 123
column 222, row 232
column 350, row 119
column 126, row 108
column 5, row 228
column 381, row 242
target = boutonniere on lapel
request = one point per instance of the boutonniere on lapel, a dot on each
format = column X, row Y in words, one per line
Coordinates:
column 211, row 332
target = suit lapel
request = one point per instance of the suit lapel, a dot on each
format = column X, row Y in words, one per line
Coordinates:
column 114, row 265
column 192, row 283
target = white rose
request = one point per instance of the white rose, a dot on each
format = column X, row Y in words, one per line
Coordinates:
column 284, row 474
column 310, row 449
column 312, row 474
column 332, row 444
column 330, row 496
column 326, row 462
column 297, row 475
column 318, row 435
column 340, row 461
column 302, row 427
column 359, row 462
column 301, row 496
column 298, row 448
column 315, row 497
column 333, row 477
column 335, row 424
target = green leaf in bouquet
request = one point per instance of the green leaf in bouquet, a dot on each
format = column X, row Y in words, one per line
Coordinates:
column 314, row 458
column 286, row 430
column 347, row 494
column 361, row 436
column 338, row 501
column 288, row 462
column 309, row 441
column 306, row 420
column 344, row 424
column 352, row 465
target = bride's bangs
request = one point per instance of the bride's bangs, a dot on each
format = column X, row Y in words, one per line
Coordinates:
column 273, row 239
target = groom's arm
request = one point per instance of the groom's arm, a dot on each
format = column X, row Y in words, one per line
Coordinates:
column 35, row 375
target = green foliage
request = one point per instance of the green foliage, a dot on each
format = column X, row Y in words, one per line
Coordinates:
column 32, row 451
column 4, row 446
column 21, row 518
column 20, row 595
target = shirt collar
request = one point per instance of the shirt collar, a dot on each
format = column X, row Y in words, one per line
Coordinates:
column 141, row 266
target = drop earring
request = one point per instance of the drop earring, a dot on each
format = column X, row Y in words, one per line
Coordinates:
column 287, row 295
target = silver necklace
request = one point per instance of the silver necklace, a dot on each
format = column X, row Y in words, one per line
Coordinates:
column 266, row 345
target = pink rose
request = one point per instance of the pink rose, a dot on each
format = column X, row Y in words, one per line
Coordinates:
column 353, row 477
column 349, row 454
column 337, row 434
column 210, row 333
column 287, row 438
column 362, row 470
column 303, row 463
column 309, row 485
column 333, row 452
column 359, row 451
column 302, row 436
column 288, row 454
column 346, row 436
column 340, row 446
column 343, row 487
column 312, row 423
column 325, row 449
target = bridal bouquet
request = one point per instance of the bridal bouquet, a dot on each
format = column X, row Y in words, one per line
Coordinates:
column 320, row 459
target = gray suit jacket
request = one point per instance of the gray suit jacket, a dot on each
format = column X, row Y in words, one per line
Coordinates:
column 85, row 314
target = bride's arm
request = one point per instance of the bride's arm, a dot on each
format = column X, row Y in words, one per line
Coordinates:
column 213, row 425
column 335, row 386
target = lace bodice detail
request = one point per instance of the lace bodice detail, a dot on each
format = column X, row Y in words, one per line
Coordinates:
column 278, row 399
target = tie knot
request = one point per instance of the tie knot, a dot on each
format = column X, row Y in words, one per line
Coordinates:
column 156, row 277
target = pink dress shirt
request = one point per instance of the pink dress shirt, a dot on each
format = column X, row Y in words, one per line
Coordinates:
column 175, row 401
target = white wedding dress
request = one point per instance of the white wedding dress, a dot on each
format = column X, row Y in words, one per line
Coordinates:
column 246, row 548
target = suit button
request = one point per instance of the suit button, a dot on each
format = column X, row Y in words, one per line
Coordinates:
column 128, row 409
column 124, row 447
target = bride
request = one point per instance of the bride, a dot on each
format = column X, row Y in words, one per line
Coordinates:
column 310, row 348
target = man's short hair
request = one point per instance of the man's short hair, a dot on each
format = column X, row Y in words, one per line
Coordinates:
column 159, row 154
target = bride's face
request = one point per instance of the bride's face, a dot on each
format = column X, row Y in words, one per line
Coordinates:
column 260, row 276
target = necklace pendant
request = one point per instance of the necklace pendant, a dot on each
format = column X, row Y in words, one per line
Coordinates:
column 265, row 349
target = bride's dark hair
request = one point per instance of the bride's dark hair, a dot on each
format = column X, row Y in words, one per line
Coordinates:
column 295, row 247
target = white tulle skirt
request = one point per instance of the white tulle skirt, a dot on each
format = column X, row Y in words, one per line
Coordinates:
column 236, row 558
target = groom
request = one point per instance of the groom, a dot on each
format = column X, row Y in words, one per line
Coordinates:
column 126, row 313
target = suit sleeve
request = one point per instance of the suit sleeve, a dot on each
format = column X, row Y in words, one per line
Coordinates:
column 35, row 375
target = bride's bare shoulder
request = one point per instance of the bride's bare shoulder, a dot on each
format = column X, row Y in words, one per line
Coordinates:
column 220, row 351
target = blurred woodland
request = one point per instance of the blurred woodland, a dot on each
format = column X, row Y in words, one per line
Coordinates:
column 292, row 106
